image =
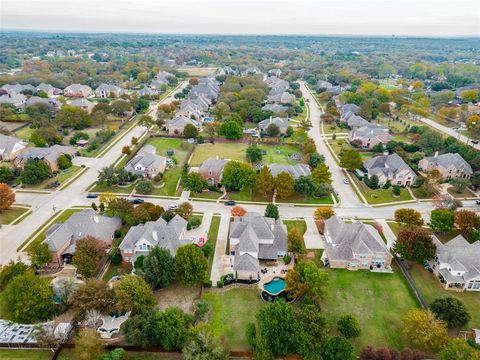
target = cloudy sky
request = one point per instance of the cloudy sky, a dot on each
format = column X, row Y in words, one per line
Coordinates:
column 358, row 17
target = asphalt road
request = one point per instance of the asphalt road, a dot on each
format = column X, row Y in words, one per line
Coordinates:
column 450, row 132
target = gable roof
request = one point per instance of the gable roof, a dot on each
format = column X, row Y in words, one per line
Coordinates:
column 282, row 123
column 296, row 170
column 213, row 165
column 50, row 154
column 7, row 143
column 389, row 165
column 147, row 158
column 461, row 256
column 181, row 121
column 446, row 160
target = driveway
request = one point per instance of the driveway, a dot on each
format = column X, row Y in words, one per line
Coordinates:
column 221, row 261
column 312, row 238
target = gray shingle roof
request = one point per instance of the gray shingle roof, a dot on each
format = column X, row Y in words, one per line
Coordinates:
column 50, row 154
column 445, row 160
column 181, row 121
column 295, row 170
column 214, row 165
column 7, row 143
column 461, row 256
column 282, row 123
column 386, row 164
column 146, row 158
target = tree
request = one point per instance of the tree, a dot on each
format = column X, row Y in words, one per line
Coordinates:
column 467, row 222
column 309, row 147
column 414, row 243
column 195, row 182
column 145, row 120
column 338, row 348
column 120, row 107
column 210, row 129
column 272, row 130
column 88, row 345
column 408, row 217
column 451, row 310
column 144, row 187
column 469, row 96
column 9, row 271
column 190, row 265
column 202, row 344
column 27, row 299
column 442, row 220
column 295, row 241
column 238, row 176
column 323, row 213
column 271, row 211
column 307, row 278
column 231, row 130
column 459, row 349
column 285, row 185
column 126, row 150
column 372, row 182
column 73, row 117
column 172, row 327
column 157, row 268
column 6, row 174
column 313, row 332
column 253, row 153
column 306, row 186
column 425, row 330
column 115, row 354
column 93, row 295
column 38, row 140
column 349, row 326
column 88, row 253
column 34, row 172
column 321, row 174
column 351, row 160
column 265, row 181
column 132, row 293
column 39, row 254
column 185, row 210
column 7, row 197
column 315, row 159
column 64, row 161
column 238, row 211
column 141, row 329
column 459, row 184
column 190, row 131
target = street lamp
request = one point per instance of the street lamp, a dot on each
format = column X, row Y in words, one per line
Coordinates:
column 468, row 133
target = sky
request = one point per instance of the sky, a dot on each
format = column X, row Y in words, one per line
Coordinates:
column 312, row 17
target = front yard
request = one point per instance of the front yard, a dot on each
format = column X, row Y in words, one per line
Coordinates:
column 61, row 177
column 377, row 300
column 212, row 239
column 9, row 215
column 22, row 354
column 380, row 196
column 249, row 195
column 230, row 312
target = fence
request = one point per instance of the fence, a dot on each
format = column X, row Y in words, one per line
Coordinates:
column 410, row 281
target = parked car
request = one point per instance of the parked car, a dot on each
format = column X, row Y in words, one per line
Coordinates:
column 477, row 202
column 136, row 201
column 92, row 196
column 475, row 142
column 345, row 181
column 172, row 207
column 230, row 203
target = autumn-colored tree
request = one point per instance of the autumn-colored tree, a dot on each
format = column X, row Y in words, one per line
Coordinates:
column 323, row 213
column 107, row 197
column 126, row 150
column 307, row 277
column 7, row 197
column 265, row 181
column 445, row 201
column 88, row 345
column 321, row 174
column 185, row 210
column 295, row 241
column 467, row 222
column 210, row 129
column 351, row 160
column 408, row 217
column 433, row 180
column 88, row 253
column 285, row 185
column 93, row 295
column 424, row 330
column 238, row 211
column 414, row 243
column 309, row 147
column 459, row 349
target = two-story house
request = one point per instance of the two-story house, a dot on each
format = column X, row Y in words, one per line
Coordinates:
column 354, row 246
column 369, row 136
column 450, row 165
column 147, row 163
column 390, row 167
column 212, row 170
column 77, row 90
column 10, row 147
column 108, row 91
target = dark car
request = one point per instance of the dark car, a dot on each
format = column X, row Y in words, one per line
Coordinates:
column 92, row 196
column 475, row 142
column 477, row 202
column 136, row 201
column 230, row 203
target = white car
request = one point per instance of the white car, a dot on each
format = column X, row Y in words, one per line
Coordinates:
column 172, row 207
column 345, row 181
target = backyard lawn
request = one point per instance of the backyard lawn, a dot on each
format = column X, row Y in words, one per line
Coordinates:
column 377, row 300
column 179, row 146
column 431, row 288
column 380, row 196
column 236, row 151
column 230, row 313
column 21, row 354
column 7, row 216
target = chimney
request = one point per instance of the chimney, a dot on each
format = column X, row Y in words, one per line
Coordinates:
column 436, row 154
column 154, row 235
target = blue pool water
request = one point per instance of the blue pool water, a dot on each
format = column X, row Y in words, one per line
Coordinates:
column 275, row 286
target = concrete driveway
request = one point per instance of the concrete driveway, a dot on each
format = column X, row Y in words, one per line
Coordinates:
column 312, row 238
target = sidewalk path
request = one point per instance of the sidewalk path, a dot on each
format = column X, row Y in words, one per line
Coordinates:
column 389, row 235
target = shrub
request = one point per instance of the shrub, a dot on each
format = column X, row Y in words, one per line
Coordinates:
column 348, row 326
column 144, row 187
column 396, row 190
column 117, row 259
column 201, row 308
column 207, row 284
column 207, row 249
column 287, row 259
column 220, row 283
column 138, row 264
column 194, row 222
column 117, row 234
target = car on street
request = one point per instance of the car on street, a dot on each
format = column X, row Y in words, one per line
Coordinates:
column 172, row 207
column 136, row 201
column 477, row 202
column 475, row 142
column 92, row 196
column 230, row 203
column 345, row 181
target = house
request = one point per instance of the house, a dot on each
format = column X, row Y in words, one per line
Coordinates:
column 142, row 238
column 322, row 84
column 212, row 170
column 147, row 163
column 281, row 123
column 48, row 89
column 349, row 108
column 77, row 90
column 50, row 155
column 282, row 98
column 10, row 147
column 354, row 246
column 390, row 167
column 295, row 170
column 353, row 121
column 50, row 102
column 457, row 264
column 17, row 100
column 108, row 91
column 17, row 89
column 227, row 70
column 62, row 238
column 146, row 91
column 275, row 72
column 255, row 238
column 83, row 104
column 176, row 125
column 369, row 136
column 450, row 165
column 275, row 108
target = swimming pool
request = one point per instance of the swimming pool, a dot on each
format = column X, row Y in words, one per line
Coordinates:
column 276, row 286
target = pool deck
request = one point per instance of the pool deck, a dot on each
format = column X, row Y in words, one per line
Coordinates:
column 273, row 272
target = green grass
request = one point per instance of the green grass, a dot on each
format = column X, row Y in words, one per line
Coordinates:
column 236, row 151
column 206, row 195
column 170, row 178
column 462, row 194
column 180, row 146
column 60, row 219
column 112, row 271
column 431, row 288
column 68, row 354
column 248, row 195
column 113, row 189
column 377, row 300
column 7, row 216
column 21, row 354
column 397, row 227
column 303, row 114
column 231, row 311
column 380, row 196
column 24, row 133
column 212, row 239
column 301, row 225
